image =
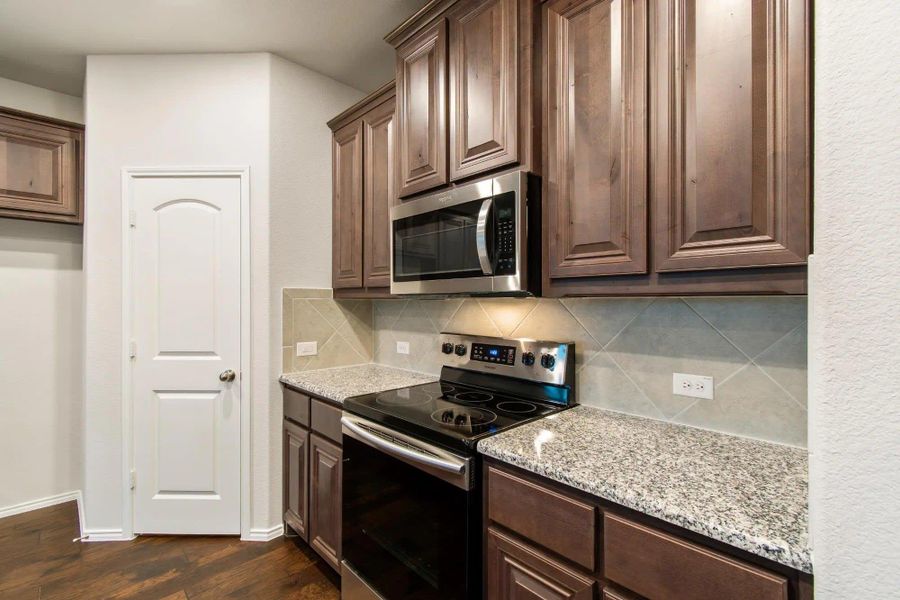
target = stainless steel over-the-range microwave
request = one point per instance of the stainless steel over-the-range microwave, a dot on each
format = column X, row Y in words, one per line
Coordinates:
column 477, row 238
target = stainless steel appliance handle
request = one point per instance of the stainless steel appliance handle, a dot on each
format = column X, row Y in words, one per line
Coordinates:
column 481, row 237
column 445, row 464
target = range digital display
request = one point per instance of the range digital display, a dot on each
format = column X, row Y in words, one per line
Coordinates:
column 503, row 355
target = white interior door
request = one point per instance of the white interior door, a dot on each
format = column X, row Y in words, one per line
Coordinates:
column 186, row 327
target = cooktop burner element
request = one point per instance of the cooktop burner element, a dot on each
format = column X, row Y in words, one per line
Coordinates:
column 517, row 407
column 473, row 397
column 463, row 418
column 411, row 397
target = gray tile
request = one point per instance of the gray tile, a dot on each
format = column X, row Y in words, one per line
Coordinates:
column 551, row 321
column 603, row 384
column 507, row 313
column 752, row 324
column 605, row 317
column 471, row 319
column 750, row 404
column 785, row 362
column 668, row 337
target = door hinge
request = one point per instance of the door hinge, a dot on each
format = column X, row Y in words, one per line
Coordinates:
column 132, row 218
column 132, row 349
column 132, row 478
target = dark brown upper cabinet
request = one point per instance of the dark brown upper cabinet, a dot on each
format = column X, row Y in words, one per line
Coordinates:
column 483, row 86
column 595, row 151
column 422, row 111
column 41, row 168
column 364, row 191
column 731, row 138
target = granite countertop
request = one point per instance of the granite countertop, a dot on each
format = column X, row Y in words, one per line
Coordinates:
column 746, row 493
column 339, row 383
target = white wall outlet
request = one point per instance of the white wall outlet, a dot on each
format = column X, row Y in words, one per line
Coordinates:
column 402, row 347
column 695, row 386
column 307, row 348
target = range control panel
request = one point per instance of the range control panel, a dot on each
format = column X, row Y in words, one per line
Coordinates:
column 504, row 355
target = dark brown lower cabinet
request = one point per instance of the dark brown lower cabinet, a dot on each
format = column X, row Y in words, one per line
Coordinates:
column 325, row 499
column 296, row 491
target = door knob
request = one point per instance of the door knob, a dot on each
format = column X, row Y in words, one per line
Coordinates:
column 227, row 375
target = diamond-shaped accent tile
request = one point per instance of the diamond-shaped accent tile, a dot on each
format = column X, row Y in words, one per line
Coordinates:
column 605, row 317
column 507, row 313
column 785, row 362
column 551, row 321
column 603, row 384
column 471, row 319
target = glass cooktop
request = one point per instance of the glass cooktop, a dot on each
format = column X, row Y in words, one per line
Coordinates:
column 449, row 414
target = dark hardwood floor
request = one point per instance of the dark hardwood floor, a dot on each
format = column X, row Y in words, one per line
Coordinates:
column 39, row 561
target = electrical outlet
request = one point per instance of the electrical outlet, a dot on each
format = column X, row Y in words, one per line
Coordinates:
column 695, row 386
column 402, row 347
column 307, row 348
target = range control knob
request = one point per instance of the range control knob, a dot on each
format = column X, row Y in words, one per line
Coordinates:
column 548, row 361
column 460, row 349
column 446, row 347
column 528, row 358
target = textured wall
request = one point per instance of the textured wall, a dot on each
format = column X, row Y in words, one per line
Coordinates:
column 854, row 287
column 627, row 350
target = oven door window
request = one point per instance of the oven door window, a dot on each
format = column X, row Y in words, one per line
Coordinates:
column 439, row 244
column 407, row 533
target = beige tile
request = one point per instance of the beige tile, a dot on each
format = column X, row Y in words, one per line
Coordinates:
column 308, row 292
column 750, row 404
column 287, row 359
column 552, row 322
column 507, row 313
column 605, row 317
column 287, row 319
column 386, row 352
column 668, row 337
column 752, row 324
column 336, row 352
column 308, row 324
column 300, row 363
column 439, row 312
column 785, row 362
column 471, row 319
column 331, row 310
column 602, row 383
column 387, row 312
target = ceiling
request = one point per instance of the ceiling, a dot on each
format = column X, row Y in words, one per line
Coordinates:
column 44, row 42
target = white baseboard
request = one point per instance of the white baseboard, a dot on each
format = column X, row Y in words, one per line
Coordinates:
column 106, row 535
column 264, row 535
column 17, row 509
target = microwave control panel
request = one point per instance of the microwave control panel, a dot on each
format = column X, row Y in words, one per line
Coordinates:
column 503, row 355
column 505, row 237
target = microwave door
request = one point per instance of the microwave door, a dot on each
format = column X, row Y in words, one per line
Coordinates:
column 484, row 237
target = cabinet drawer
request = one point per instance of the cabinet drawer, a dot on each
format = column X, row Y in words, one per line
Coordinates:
column 657, row 565
column 561, row 524
column 296, row 406
column 326, row 420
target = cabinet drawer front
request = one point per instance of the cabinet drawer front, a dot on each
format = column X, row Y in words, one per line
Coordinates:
column 563, row 525
column 296, row 406
column 658, row 565
column 326, row 420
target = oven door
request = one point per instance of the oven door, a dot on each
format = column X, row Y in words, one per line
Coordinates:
column 411, row 515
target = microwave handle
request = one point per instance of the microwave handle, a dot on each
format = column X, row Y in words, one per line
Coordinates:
column 481, row 237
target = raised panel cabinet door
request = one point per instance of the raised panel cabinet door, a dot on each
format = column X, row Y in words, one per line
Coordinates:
column 730, row 143
column 295, row 478
column 483, row 86
column 595, row 152
column 518, row 571
column 347, row 213
column 422, row 111
column 325, row 500
column 379, row 195
column 40, row 171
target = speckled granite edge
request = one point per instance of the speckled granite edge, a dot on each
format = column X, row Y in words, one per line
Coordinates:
column 748, row 494
column 339, row 383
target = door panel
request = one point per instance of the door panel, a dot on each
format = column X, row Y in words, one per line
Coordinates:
column 380, row 194
column 483, row 86
column 595, row 152
column 325, row 500
column 347, row 268
column 186, row 317
column 296, row 470
column 731, row 137
column 422, row 111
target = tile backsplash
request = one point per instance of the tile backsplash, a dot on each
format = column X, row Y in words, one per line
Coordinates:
column 626, row 349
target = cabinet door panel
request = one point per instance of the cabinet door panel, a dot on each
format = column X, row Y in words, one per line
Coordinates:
column 379, row 194
column 347, row 208
column 422, row 111
column 730, row 144
column 595, row 162
column 325, row 500
column 516, row 571
column 483, row 86
column 295, row 475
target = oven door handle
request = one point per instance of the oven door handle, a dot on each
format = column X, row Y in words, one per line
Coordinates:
column 481, row 237
column 442, row 463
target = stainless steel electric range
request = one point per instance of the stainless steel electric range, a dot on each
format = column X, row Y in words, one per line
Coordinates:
column 411, row 475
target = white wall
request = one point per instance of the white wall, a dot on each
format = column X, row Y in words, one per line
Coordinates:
column 42, row 334
column 854, row 329
column 33, row 99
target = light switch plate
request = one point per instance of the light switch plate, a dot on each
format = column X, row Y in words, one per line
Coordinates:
column 402, row 347
column 695, row 386
column 307, row 348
